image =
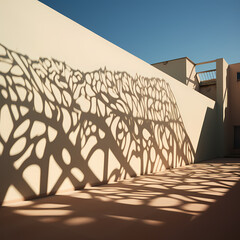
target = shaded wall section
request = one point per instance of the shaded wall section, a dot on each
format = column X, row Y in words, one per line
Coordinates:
column 232, row 112
column 77, row 110
column 182, row 69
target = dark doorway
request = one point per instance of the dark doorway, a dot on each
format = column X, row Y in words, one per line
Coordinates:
column 237, row 137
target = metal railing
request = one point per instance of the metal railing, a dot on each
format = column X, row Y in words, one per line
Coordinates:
column 207, row 75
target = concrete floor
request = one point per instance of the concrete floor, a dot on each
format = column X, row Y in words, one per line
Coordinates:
column 200, row 201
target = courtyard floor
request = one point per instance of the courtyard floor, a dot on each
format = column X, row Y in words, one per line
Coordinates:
column 199, row 201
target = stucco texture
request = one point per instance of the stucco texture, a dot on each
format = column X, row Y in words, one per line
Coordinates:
column 76, row 110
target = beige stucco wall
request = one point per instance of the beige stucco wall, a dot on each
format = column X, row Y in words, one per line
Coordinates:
column 191, row 78
column 76, row 110
column 208, row 90
column 222, row 104
column 175, row 68
column 233, row 113
column 182, row 69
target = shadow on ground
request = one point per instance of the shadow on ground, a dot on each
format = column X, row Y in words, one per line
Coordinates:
column 199, row 201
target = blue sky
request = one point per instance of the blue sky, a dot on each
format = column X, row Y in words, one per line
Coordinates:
column 156, row 30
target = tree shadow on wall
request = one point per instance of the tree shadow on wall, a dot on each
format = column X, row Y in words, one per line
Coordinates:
column 62, row 128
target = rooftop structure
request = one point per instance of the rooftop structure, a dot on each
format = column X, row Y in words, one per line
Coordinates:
column 221, row 84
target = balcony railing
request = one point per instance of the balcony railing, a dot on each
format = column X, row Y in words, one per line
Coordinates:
column 207, row 75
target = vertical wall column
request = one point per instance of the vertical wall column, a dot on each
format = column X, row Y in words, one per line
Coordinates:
column 222, row 103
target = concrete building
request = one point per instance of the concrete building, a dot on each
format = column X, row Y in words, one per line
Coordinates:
column 222, row 85
column 77, row 111
column 71, row 117
column 182, row 69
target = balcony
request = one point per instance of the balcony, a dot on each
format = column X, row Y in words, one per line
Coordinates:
column 206, row 77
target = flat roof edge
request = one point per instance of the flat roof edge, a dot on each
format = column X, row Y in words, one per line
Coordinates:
column 208, row 82
column 175, row 60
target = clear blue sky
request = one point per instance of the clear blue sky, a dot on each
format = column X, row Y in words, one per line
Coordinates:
column 157, row 30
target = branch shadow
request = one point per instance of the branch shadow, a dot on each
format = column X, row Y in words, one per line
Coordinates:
column 199, row 201
column 63, row 128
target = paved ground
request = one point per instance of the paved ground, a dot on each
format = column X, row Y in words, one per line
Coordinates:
column 200, row 201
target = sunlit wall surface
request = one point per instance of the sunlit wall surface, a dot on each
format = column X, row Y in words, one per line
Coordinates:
column 77, row 110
